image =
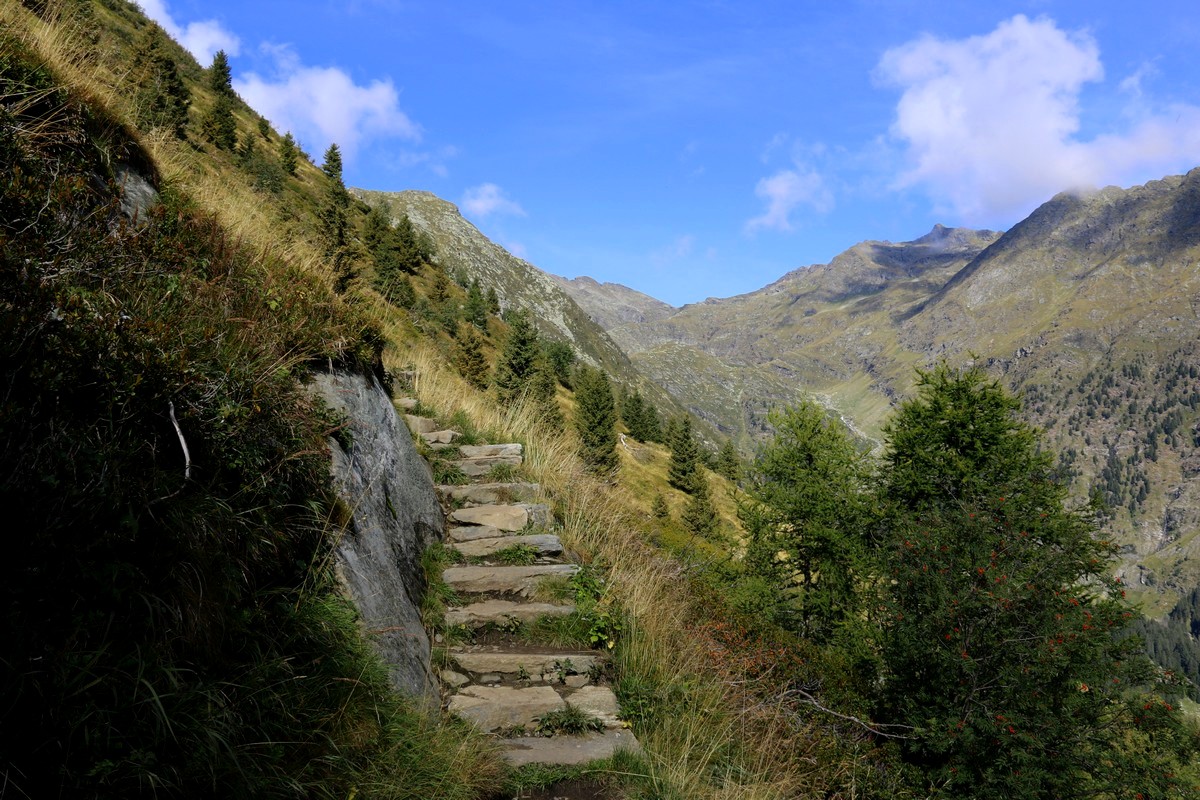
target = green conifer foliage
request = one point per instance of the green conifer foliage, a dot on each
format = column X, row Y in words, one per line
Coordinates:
column 163, row 98
column 469, row 359
column 699, row 514
column 219, row 126
column 288, row 153
column 659, row 507
column 518, row 358
column 728, row 463
column 805, row 493
column 596, row 420
column 543, row 391
column 333, row 216
column 493, row 301
column 685, row 456
column 999, row 628
column 475, row 309
column 220, row 77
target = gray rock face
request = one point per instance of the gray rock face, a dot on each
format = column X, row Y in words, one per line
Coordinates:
column 138, row 196
column 395, row 517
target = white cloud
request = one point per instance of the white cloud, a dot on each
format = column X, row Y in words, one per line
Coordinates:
column 990, row 122
column 786, row 191
column 202, row 39
column 323, row 104
column 487, row 199
column 677, row 250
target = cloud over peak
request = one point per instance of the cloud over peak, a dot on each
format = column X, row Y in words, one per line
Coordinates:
column 990, row 123
column 488, row 199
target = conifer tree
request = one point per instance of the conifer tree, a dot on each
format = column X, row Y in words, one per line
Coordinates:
column 219, row 125
column 633, row 414
column 288, row 155
column 805, row 492
column 518, row 358
column 596, row 420
column 659, row 507
column 728, row 463
column 561, row 357
column 685, row 457
column 998, row 636
column 475, row 309
column 439, row 293
column 543, row 391
column 493, row 301
column 699, row 514
column 469, row 359
column 333, row 215
column 163, row 98
column 264, row 128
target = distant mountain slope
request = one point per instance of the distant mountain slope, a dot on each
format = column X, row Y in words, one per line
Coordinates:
column 611, row 304
column 1090, row 307
column 461, row 247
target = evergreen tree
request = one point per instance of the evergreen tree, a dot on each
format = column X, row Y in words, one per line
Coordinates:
column 334, row 218
column 596, row 420
column 439, row 293
column 475, row 309
column 162, row 97
column 685, row 457
column 562, row 358
column 543, row 391
column 699, row 514
column 633, row 414
column 469, row 359
column 518, row 358
column 493, row 301
column 728, row 463
column 288, row 155
column 219, row 125
column 220, row 77
column 264, row 128
column 998, row 633
column 659, row 507
column 805, row 493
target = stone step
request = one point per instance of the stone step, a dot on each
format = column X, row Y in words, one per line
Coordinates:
column 469, row 533
column 418, row 425
column 492, row 451
column 487, row 659
column 407, row 404
column 492, row 708
column 506, row 518
column 475, row 467
column 599, row 702
column 545, row 544
column 482, row 494
column 505, row 580
column 568, row 750
column 504, row 612
column 440, row 439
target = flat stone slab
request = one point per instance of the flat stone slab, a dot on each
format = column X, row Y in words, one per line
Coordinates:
column 568, row 749
column 533, row 664
column 440, row 437
column 474, row 467
column 407, row 403
column 599, row 701
column 493, row 707
column 545, row 544
column 470, row 533
column 506, row 518
column 483, row 494
column 519, row 580
column 491, row 451
column 420, row 425
column 539, row 514
column 501, row 612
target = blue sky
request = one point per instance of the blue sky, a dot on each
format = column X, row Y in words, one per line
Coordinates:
column 696, row 149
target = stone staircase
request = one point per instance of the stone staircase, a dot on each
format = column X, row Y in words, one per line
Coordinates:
column 517, row 689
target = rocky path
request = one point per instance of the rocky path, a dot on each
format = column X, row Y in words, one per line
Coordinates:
column 550, row 705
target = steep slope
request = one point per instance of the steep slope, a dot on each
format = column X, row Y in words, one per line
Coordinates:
column 611, row 304
column 463, row 250
column 827, row 330
column 1090, row 307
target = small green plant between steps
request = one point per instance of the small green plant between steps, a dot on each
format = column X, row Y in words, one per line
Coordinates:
column 569, row 721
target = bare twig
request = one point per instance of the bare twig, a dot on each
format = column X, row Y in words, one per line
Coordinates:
column 872, row 727
column 187, row 457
